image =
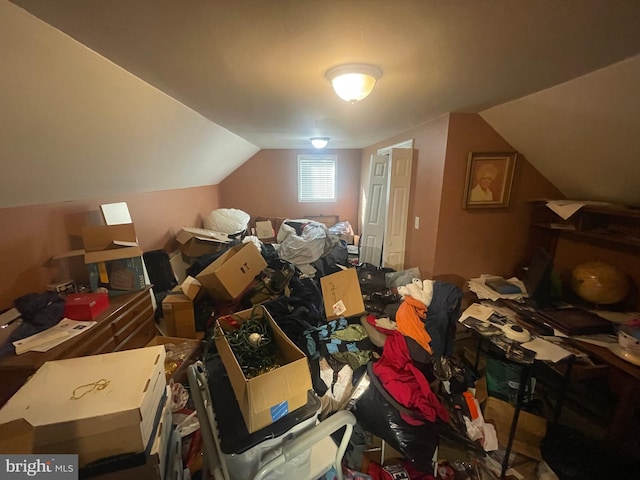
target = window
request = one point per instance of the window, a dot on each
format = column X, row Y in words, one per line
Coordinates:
column 317, row 178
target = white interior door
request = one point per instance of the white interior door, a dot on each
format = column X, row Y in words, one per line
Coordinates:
column 395, row 235
column 375, row 211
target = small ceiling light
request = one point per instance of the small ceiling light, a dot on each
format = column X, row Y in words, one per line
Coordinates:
column 319, row 142
column 355, row 81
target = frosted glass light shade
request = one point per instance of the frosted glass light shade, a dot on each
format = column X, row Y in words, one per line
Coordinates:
column 319, row 142
column 353, row 82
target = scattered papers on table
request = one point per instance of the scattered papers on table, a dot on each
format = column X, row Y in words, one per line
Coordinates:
column 546, row 350
column 52, row 337
column 483, row 291
column 477, row 310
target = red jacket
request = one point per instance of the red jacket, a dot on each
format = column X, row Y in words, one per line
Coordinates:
column 405, row 383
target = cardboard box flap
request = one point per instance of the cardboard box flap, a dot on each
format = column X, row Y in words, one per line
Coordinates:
column 202, row 234
column 106, row 237
column 88, row 395
column 341, row 294
column 112, row 254
column 191, row 287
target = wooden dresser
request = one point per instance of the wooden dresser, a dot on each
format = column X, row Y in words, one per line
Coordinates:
column 127, row 323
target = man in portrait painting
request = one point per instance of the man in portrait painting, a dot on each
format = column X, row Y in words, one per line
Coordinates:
column 485, row 176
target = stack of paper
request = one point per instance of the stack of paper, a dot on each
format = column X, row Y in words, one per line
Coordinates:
column 483, row 291
column 52, row 337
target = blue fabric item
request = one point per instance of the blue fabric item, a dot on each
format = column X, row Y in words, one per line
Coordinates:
column 442, row 315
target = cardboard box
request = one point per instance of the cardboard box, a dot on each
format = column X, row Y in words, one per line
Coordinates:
column 267, row 397
column 113, row 258
column 96, row 406
column 264, row 230
column 179, row 314
column 230, row 274
column 110, row 242
column 530, row 431
column 195, row 242
column 85, row 306
column 341, row 294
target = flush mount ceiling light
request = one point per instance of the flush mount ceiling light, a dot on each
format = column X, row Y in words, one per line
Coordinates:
column 319, row 142
column 353, row 82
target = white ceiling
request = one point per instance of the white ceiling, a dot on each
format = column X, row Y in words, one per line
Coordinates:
column 256, row 67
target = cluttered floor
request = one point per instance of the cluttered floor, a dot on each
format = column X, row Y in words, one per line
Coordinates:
column 575, row 450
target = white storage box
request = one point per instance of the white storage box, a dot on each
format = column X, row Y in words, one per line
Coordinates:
column 245, row 453
column 96, row 406
column 247, row 464
column 156, row 460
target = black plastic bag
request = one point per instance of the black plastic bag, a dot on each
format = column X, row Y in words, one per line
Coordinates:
column 39, row 311
column 372, row 278
column 416, row 442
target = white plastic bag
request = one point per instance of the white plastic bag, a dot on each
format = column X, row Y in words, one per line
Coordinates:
column 227, row 220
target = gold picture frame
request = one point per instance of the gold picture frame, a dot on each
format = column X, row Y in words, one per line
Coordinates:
column 489, row 179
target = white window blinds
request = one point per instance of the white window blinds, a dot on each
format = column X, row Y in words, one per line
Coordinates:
column 317, row 178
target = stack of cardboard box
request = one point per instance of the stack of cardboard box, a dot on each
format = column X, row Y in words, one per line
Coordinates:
column 112, row 410
column 223, row 280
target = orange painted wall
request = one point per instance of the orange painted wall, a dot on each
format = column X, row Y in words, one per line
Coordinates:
column 492, row 240
column 453, row 243
column 429, row 143
column 267, row 185
column 33, row 234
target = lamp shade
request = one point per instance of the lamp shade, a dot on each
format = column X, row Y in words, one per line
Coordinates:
column 353, row 82
column 319, row 142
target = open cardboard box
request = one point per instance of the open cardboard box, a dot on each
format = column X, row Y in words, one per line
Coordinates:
column 269, row 396
column 113, row 258
column 195, row 242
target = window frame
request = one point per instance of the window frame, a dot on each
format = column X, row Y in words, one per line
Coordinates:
column 320, row 158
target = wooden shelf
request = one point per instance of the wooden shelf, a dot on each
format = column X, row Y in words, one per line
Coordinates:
column 613, row 225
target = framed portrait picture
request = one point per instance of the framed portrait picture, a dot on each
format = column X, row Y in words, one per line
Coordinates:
column 489, row 178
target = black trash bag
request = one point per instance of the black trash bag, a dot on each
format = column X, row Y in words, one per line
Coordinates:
column 329, row 263
column 376, row 302
column 372, row 278
column 203, row 261
column 416, row 442
column 39, row 311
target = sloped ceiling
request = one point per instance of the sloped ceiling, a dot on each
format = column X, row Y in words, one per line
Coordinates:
column 257, row 68
column 583, row 134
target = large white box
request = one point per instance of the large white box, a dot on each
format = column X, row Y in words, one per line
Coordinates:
column 96, row 406
column 155, row 464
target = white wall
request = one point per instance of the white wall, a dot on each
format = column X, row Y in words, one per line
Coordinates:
column 74, row 125
column 582, row 134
